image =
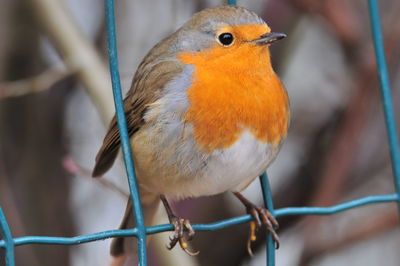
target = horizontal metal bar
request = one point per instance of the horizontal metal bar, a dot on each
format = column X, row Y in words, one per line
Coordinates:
column 336, row 208
column 45, row 240
column 201, row 227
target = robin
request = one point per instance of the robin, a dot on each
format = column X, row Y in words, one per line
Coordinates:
column 206, row 114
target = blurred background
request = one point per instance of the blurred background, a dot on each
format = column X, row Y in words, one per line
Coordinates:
column 55, row 102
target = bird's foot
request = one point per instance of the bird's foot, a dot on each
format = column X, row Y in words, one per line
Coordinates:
column 180, row 233
column 179, row 236
column 261, row 217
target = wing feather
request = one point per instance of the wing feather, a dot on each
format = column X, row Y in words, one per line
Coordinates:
column 146, row 88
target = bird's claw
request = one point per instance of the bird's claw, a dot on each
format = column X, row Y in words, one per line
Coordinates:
column 261, row 216
column 179, row 235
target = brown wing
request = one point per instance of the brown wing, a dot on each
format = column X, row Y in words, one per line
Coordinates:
column 146, row 87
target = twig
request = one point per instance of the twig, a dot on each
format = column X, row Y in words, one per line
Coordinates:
column 34, row 84
column 78, row 52
column 338, row 163
column 378, row 223
column 73, row 168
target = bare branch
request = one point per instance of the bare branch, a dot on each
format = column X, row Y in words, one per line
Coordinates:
column 78, row 53
column 34, row 84
column 73, row 168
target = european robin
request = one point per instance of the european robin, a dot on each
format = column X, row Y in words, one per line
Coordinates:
column 206, row 114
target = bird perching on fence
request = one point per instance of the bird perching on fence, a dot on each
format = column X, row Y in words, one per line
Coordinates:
column 206, row 114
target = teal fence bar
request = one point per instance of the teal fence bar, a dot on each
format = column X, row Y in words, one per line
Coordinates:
column 385, row 93
column 266, row 189
column 8, row 242
column 201, row 227
column 123, row 131
column 140, row 232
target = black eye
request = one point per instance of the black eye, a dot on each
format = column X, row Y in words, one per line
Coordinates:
column 225, row 38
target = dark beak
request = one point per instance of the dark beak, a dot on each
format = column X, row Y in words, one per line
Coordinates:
column 269, row 38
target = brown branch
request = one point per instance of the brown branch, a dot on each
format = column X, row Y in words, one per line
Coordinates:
column 381, row 221
column 73, row 168
column 338, row 163
column 34, row 84
column 78, row 52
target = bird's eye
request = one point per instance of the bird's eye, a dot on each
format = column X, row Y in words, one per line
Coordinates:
column 226, row 38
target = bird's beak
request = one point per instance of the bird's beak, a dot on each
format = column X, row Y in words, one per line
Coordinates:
column 269, row 38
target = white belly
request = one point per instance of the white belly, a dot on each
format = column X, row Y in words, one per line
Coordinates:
column 233, row 169
column 168, row 161
column 178, row 169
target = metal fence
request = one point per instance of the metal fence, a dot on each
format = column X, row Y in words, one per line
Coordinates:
column 140, row 231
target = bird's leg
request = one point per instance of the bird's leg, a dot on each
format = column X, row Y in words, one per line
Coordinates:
column 179, row 225
column 261, row 216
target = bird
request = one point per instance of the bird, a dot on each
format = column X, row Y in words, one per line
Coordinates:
column 206, row 114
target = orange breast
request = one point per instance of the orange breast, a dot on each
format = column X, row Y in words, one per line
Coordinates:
column 233, row 91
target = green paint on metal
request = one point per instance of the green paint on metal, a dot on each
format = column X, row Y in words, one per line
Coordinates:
column 266, row 189
column 8, row 242
column 140, row 231
column 124, row 136
column 390, row 120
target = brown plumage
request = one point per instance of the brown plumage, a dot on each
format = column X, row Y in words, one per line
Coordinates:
column 150, row 78
column 205, row 115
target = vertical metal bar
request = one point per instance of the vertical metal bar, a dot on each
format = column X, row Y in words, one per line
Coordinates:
column 386, row 94
column 266, row 189
column 126, row 147
column 267, row 201
column 9, row 241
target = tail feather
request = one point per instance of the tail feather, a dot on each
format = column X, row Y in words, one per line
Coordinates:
column 127, row 245
column 104, row 161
